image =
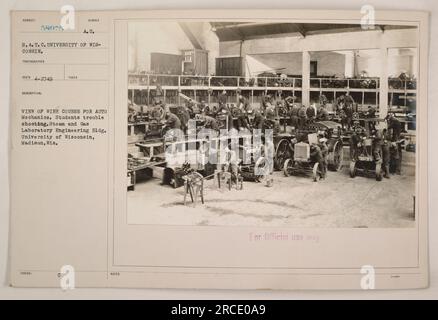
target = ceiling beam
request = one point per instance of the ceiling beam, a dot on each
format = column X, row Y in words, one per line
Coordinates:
column 243, row 25
column 300, row 29
column 271, row 36
column 190, row 35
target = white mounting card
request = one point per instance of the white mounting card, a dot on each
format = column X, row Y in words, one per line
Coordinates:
column 93, row 202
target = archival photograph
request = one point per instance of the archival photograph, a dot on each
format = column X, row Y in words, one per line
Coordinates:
column 271, row 124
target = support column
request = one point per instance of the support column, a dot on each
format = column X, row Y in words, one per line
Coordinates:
column 414, row 64
column 350, row 61
column 306, row 79
column 383, row 92
column 243, row 65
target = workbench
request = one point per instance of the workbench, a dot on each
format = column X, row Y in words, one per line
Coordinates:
column 133, row 169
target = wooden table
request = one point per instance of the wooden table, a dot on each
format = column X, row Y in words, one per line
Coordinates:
column 135, row 168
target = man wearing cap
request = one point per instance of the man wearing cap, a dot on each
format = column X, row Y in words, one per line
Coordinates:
column 132, row 111
column 394, row 126
column 348, row 110
column 339, row 103
column 311, row 113
column 256, row 119
column 202, row 106
column 355, row 139
column 377, row 145
column 324, row 153
column 323, row 114
column 225, row 114
column 190, row 107
column 222, row 98
column 294, row 116
column 386, row 152
column 302, row 117
column 242, row 108
column 290, row 101
column 270, row 119
column 292, row 110
column 230, row 163
column 209, row 122
column 184, row 116
column 323, row 100
column 172, row 121
column 317, row 157
column 266, row 102
column 243, row 103
column 371, row 114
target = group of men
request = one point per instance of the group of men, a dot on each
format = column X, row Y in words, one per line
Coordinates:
column 302, row 116
column 386, row 144
column 243, row 116
column 344, row 107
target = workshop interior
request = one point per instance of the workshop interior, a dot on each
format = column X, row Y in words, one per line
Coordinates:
column 339, row 99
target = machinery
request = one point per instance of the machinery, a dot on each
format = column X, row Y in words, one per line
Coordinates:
column 140, row 116
column 256, row 166
column 365, row 159
column 282, row 109
column 143, row 167
column 285, row 144
column 333, row 132
column 224, row 120
column 302, row 163
column 235, row 111
column 210, row 110
column 146, row 157
column 284, row 149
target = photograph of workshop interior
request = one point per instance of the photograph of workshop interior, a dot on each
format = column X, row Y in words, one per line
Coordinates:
column 339, row 100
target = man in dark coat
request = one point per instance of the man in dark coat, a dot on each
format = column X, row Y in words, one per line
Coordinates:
column 302, row 117
column 270, row 119
column 377, row 145
column 324, row 153
column 222, row 99
column 255, row 119
column 311, row 113
column 371, row 114
column 295, row 119
column 355, row 139
column 317, row 156
column 386, row 152
column 172, row 121
column 224, row 115
column 243, row 103
column 394, row 126
column 323, row 114
column 210, row 123
column 395, row 129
